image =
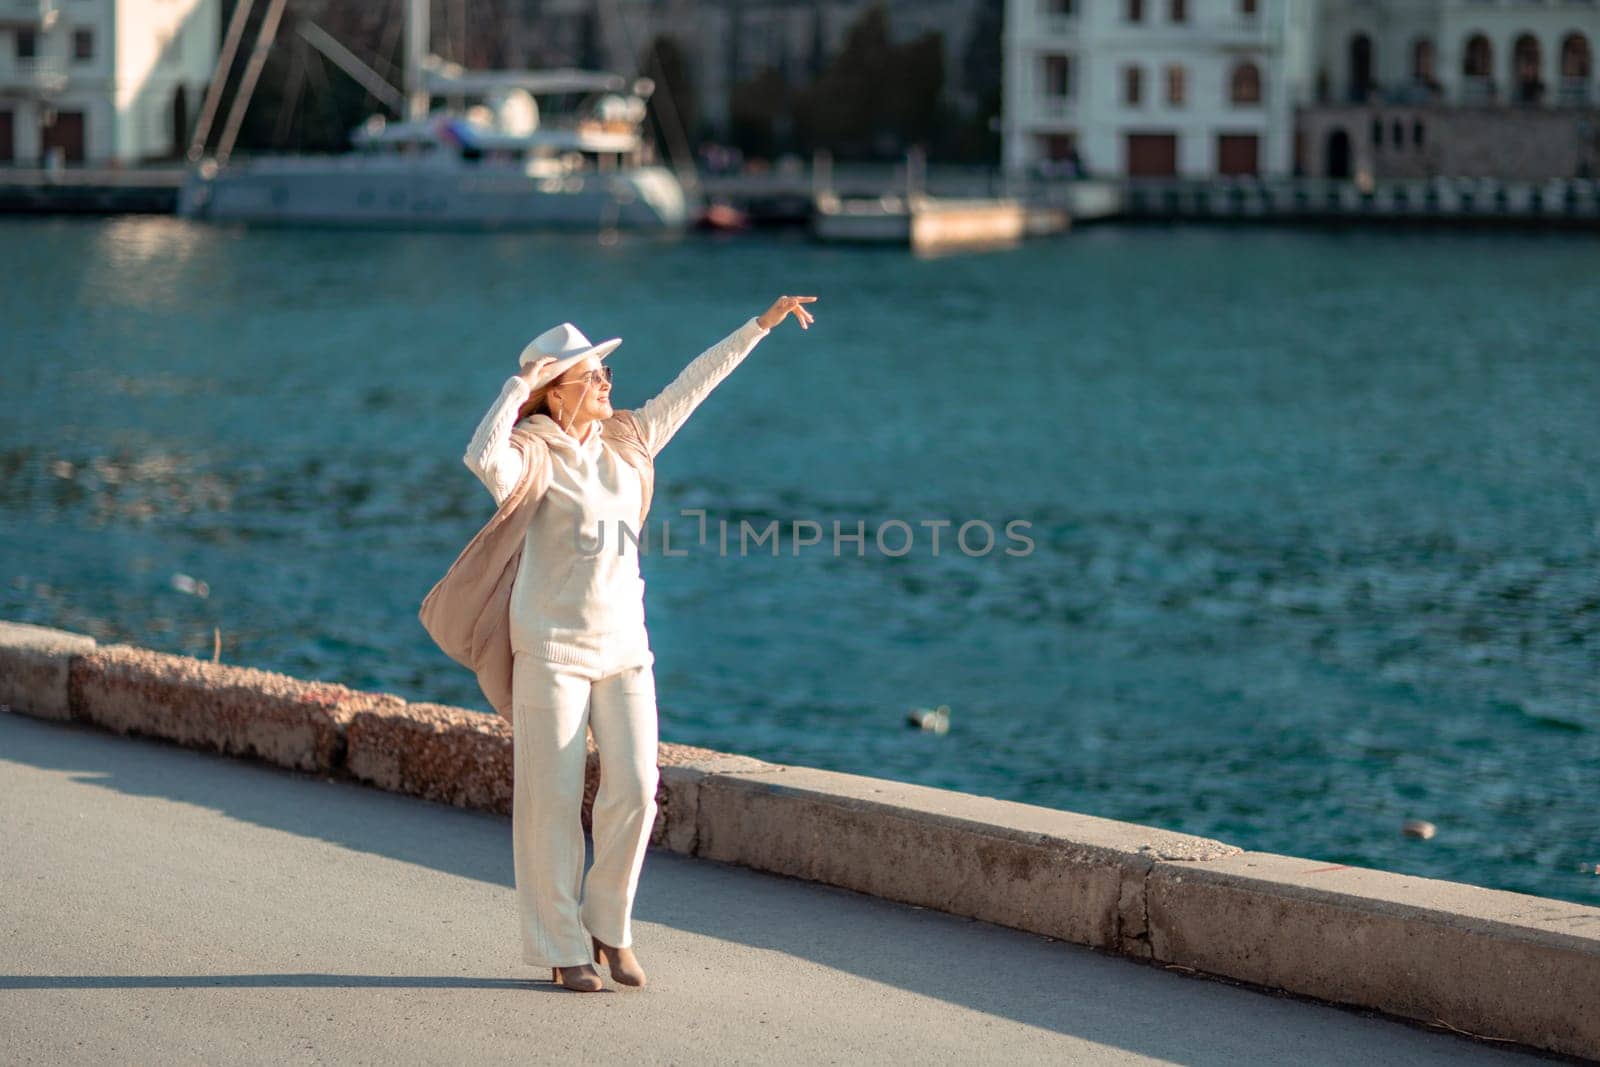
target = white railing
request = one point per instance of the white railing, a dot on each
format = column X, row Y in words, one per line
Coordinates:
column 42, row 75
column 1053, row 26
column 28, row 13
column 1236, row 30
column 1477, row 89
column 1052, row 106
column 1574, row 92
column 1048, row 21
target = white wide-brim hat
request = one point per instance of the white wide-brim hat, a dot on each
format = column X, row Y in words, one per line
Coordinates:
column 558, row 348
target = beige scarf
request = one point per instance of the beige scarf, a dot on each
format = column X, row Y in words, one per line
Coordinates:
column 468, row 611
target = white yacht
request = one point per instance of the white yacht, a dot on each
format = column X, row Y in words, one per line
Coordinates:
column 483, row 158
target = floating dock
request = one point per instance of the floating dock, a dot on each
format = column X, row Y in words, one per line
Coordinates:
column 931, row 224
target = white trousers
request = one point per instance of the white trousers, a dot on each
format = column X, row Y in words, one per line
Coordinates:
column 551, row 704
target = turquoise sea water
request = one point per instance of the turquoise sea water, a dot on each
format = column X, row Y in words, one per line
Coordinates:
column 1315, row 515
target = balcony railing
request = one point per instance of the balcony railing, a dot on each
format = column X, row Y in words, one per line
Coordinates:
column 1050, row 21
column 1054, row 106
column 1242, row 30
column 1056, row 24
column 1575, row 92
column 1416, row 91
column 1478, row 89
column 28, row 14
column 34, row 75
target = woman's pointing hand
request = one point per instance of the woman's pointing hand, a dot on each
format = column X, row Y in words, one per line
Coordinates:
column 781, row 308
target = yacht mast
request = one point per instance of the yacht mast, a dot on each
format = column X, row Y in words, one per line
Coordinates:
column 416, row 51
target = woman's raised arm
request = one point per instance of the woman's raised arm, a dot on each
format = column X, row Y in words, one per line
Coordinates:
column 663, row 413
column 491, row 455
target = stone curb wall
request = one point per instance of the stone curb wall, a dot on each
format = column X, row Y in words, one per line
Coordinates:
column 1494, row 964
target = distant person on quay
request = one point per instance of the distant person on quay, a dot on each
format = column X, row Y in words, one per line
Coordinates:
column 556, row 635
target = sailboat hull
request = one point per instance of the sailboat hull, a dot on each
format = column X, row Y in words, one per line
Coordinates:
column 365, row 192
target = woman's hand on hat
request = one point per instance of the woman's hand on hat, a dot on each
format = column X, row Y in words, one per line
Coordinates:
column 781, row 308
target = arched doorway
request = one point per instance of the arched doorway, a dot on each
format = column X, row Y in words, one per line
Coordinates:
column 1424, row 78
column 1336, row 161
column 1360, row 67
column 180, row 121
column 1477, row 70
column 1576, row 69
column 1525, row 74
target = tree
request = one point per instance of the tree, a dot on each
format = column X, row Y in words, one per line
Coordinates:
column 913, row 98
column 844, row 109
column 983, row 73
column 758, row 114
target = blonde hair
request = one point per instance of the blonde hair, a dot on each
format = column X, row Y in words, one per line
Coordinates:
column 537, row 402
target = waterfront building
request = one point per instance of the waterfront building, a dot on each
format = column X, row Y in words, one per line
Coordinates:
column 1419, row 88
column 102, row 81
column 1155, row 88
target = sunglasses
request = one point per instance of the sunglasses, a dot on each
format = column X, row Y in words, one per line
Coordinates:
column 594, row 377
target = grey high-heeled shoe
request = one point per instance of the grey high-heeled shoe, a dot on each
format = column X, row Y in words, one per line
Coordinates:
column 624, row 969
column 580, row 978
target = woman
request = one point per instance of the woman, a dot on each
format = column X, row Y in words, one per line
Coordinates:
column 554, row 628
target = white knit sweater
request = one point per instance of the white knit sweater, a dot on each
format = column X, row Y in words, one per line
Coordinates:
column 570, row 603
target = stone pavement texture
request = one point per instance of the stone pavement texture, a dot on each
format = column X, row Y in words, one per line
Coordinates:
column 174, row 906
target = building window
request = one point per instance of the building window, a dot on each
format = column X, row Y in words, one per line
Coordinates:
column 1416, row 134
column 1059, row 8
column 1397, row 134
column 1478, row 58
column 1057, row 77
column 1575, row 61
column 1527, row 61
column 1175, row 86
column 1245, row 85
column 1360, row 67
column 1477, row 70
column 1133, row 10
column 1247, row 8
column 82, row 44
column 27, row 44
column 1132, row 86
column 1576, row 66
column 1422, row 61
column 1179, row 11
column 1377, row 133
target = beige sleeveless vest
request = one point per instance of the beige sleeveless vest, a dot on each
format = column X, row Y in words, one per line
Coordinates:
column 468, row 611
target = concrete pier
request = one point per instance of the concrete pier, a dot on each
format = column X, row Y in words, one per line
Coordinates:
column 1505, row 967
column 1573, row 203
column 81, row 191
column 788, row 197
column 1456, row 201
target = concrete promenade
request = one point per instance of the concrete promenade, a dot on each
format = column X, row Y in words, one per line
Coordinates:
column 787, row 196
column 168, row 905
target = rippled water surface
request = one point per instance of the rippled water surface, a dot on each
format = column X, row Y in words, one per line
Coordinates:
column 1315, row 515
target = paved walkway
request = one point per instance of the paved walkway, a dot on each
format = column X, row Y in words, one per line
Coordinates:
column 160, row 905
